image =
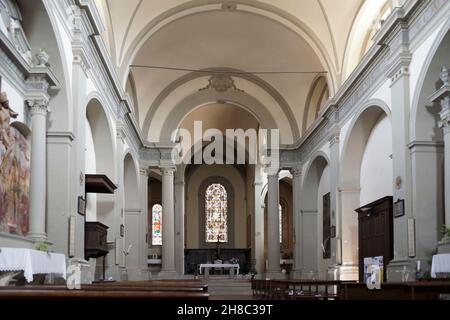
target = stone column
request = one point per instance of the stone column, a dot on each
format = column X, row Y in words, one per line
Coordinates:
column 258, row 226
column 442, row 96
column 298, row 225
column 273, row 221
column 168, row 223
column 179, row 225
column 335, row 215
column 144, row 228
column 38, row 110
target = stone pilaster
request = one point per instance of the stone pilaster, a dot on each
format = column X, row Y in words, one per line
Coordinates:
column 298, row 223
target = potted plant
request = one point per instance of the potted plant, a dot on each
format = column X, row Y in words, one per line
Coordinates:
column 444, row 244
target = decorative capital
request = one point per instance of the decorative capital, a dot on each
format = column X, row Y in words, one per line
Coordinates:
column 38, row 105
column 335, row 137
column 144, row 171
column 296, row 171
column 167, row 171
column 445, row 75
column 445, row 113
column 272, row 171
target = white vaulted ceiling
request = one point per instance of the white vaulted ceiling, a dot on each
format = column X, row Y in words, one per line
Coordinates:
column 245, row 35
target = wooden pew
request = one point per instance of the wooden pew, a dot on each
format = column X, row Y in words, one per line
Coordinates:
column 163, row 290
column 419, row 290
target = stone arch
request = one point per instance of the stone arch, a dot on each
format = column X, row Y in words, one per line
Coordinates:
column 309, row 210
column 131, row 189
column 235, row 73
column 427, row 147
column 317, row 96
column 356, row 138
column 201, row 98
column 99, row 132
column 355, row 186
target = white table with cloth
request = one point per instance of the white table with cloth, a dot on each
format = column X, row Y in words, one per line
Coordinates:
column 230, row 266
column 32, row 262
column 440, row 267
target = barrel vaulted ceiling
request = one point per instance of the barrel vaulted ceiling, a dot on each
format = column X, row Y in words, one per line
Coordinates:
column 311, row 36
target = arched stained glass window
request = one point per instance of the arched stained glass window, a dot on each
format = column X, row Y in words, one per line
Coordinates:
column 280, row 214
column 156, row 225
column 216, row 207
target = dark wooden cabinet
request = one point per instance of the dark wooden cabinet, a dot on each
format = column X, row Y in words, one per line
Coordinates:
column 376, row 232
column 95, row 240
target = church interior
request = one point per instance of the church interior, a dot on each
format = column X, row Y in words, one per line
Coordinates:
column 225, row 149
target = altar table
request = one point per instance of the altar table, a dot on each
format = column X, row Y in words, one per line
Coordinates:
column 440, row 267
column 32, row 262
column 219, row 265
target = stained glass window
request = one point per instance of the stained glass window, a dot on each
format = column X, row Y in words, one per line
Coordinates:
column 280, row 214
column 156, row 225
column 216, row 213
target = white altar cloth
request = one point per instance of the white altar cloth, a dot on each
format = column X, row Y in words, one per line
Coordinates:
column 32, row 262
column 440, row 265
column 219, row 265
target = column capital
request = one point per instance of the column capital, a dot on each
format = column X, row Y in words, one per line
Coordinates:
column 144, row 171
column 38, row 105
column 167, row 170
column 296, row 171
column 270, row 171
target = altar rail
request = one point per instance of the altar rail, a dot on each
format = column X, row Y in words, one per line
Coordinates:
column 349, row 290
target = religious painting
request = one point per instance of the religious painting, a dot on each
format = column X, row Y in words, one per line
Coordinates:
column 216, row 207
column 14, row 182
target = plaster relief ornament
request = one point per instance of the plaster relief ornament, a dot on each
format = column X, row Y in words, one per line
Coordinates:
column 6, row 113
column 445, row 75
column 43, row 58
column 221, row 83
column 398, row 182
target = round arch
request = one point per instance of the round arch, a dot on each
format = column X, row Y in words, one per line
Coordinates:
column 311, row 228
column 131, row 189
column 264, row 85
column 201, row 98
column 356, row 138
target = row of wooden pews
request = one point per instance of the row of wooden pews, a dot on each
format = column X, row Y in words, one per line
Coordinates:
column 349, row 290
column 295, row 289
column 123, row 290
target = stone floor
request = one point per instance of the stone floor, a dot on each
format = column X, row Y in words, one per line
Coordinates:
column 226, row 288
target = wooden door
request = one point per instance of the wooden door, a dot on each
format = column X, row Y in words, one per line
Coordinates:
column 375, row 228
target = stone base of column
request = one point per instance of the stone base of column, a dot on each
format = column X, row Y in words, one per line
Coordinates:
column 168, row 274
column 333, row 272
column 275, row 275
column 296, row 274
column 406, row 269
column 349, row 272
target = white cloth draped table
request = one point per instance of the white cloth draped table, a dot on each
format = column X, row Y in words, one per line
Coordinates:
column 219, row 265
column 32, row 262
column 440, row 264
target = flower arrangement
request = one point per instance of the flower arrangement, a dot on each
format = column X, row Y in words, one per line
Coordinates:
column 234, row 260
column 41, row 246
column 446, row 232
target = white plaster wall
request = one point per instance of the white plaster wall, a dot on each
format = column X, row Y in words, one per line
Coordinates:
column 90, row 167
column 376, row 166
column 192, row 205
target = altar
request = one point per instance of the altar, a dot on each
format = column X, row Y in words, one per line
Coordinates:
column 32, row 262
column 230, row 266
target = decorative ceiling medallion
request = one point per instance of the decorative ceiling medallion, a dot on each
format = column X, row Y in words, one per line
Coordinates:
column 221, row 83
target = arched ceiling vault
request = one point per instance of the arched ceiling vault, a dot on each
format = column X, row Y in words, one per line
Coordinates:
column 249, row 35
